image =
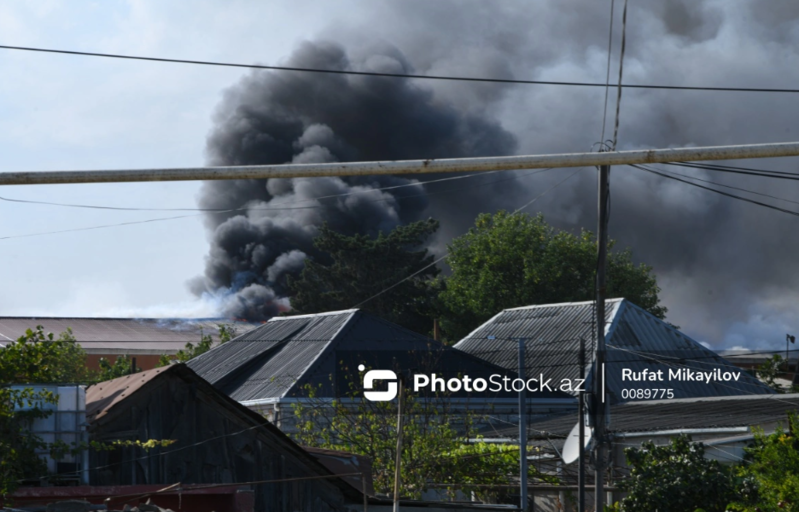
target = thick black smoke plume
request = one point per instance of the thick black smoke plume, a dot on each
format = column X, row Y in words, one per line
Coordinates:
column 728, row 269
column 272, row 118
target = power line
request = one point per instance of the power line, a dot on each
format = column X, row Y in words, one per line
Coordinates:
column 398, row 75
column 607, row 76
column 216, row 211
column 732, row 187
column 739, row 170
column 229, row 209
column 727, row 194
column 621, row 68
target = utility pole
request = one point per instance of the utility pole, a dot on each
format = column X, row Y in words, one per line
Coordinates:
column 479, row 164
column 599, row 368
column 398, row 461
column 522, row 431
column 581, row 430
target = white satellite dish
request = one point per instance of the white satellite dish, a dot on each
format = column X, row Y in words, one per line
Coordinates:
column 571, row 448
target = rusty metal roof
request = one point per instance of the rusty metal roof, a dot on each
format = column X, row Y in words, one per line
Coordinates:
column 103, row 396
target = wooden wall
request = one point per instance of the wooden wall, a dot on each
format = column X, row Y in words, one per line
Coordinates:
column 215, row 443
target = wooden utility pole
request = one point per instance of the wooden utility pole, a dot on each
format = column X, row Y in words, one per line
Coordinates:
column 599, row 367
column 479, row 164
column 522, row 431
column 581, row 430
column 397, row 463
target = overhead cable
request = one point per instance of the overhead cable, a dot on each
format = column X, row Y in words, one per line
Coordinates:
column 397, row 75
column 727, row 194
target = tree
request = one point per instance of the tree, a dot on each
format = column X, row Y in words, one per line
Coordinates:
column 122, row 365
column 512, row 260
column 436, row 451
column 39, row 358
column 190, row 351
column 770, row 371
column 770, row 472
column 676, row 477
column 352, row 269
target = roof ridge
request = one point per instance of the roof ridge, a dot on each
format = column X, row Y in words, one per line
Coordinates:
column 564, row 304
column 311, row 315
column 346, row 325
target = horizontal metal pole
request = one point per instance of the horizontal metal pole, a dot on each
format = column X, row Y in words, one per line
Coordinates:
column 482, row 164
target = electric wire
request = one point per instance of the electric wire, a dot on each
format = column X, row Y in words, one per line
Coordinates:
column 739, row 170
column 621, row 68
column 740, row 189
column 721, row 192
column 607, row 76
column 229, row 209
column 399, row 75
column 232, row 210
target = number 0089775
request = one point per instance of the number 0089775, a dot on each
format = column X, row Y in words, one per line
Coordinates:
column 646, row 394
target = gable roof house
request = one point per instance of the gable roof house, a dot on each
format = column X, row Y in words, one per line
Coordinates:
column 270, row 367
column 217, row 441
column 642, row 351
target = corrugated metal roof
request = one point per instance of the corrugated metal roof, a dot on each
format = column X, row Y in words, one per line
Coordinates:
column 689, row 413
column 267, row 361
column 277, row 359
column 103, row 396
column 635, row 340
column 104, row 335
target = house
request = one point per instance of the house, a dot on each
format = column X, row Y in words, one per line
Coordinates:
column 145, row 339
column 217, row 441
column 272, row 366
column 645, row 356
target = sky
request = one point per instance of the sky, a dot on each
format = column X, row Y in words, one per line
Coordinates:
column 727, row 269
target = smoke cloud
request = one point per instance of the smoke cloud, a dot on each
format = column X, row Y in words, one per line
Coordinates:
column 728, row 269
column 305, row 118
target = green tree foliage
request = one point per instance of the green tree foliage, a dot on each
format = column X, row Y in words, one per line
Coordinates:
column 226, row 333
column 436, row 451
column 511, row 260
column 355, row 268
column 676, row 477
column 36, row 357
column 40, row 357
column 122, row 365
column 770, row 473
column 771, row 370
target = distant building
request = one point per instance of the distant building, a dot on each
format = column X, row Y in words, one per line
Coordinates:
column 639, row 345
column 269, row 367
column 146, row 339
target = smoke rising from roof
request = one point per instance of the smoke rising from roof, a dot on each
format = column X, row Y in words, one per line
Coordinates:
column 728, row 269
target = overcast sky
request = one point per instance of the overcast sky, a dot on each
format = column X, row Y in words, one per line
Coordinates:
column 728, row 270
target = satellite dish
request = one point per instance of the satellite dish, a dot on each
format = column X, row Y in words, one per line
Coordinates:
column 571, row 448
